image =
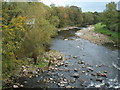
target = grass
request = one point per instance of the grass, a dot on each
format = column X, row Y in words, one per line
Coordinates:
column 42, row 64
column 100, row 28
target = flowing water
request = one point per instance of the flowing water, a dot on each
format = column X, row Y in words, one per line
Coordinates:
column 100, row 58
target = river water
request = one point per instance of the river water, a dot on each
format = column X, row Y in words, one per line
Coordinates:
column 100, row 58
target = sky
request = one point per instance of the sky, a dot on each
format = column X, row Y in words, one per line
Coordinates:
column 86, row 5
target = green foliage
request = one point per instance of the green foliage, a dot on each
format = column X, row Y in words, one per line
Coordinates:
column 101, row 28
column 110, row 17
column 27, row 28
column 68, row 16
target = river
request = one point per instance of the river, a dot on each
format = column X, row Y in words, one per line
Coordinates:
column 96, row 58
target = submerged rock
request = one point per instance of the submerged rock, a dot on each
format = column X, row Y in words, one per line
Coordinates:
column 25, row 81
column 75, row 57
column 101, row 74
column 72, row 81
column 99, row 79
column 38, row 81
column 90, row 69
column 81, row 62
column 75, row 75
column 75, row 69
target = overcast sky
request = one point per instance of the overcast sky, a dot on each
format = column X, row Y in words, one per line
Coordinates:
column 86, row 5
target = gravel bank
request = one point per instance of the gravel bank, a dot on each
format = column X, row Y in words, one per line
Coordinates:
column 89, row 34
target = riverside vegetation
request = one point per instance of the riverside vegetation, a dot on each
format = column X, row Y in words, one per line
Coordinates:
column 28, row 27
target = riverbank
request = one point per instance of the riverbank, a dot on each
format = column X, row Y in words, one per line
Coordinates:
column 94, row 37
column 101, row 28
column 50, row 59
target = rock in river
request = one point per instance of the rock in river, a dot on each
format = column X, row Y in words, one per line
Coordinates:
column 99, row 79
column 101, row 74
column 75, row 75
column 72, row 81
column 15, row 86
column 68, row 86
column 76, row 70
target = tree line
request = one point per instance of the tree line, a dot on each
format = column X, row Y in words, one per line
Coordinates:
column 27, row 27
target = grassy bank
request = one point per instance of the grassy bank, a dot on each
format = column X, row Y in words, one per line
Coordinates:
column 100, row 28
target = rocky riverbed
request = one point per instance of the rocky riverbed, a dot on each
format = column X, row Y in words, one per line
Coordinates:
column 30, row 70
column 79, row 64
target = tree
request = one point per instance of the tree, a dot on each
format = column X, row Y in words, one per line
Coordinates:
column 110, row 17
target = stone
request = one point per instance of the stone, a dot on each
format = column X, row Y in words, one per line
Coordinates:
column 82, row 81
column 68, row 86
column 65, row 39
column 100, row 65
column 89, row 68
column 15, row 86
column 21, row 85
column 36, row 75
column 30, row 77
column 76, row 70
column 105, row 71
column 66, row 70
column 38, row 81
column 81, row 62
column 93, row 74
column 66, row 65
column 60, row 84
column 72, row 81
column 99, row 79
column 51, row 79
column 83, row 71
column 75, row 57
column 75, row 75
column 25, row 81
column 101, row 74
column 65, row 80
column 83, row 66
